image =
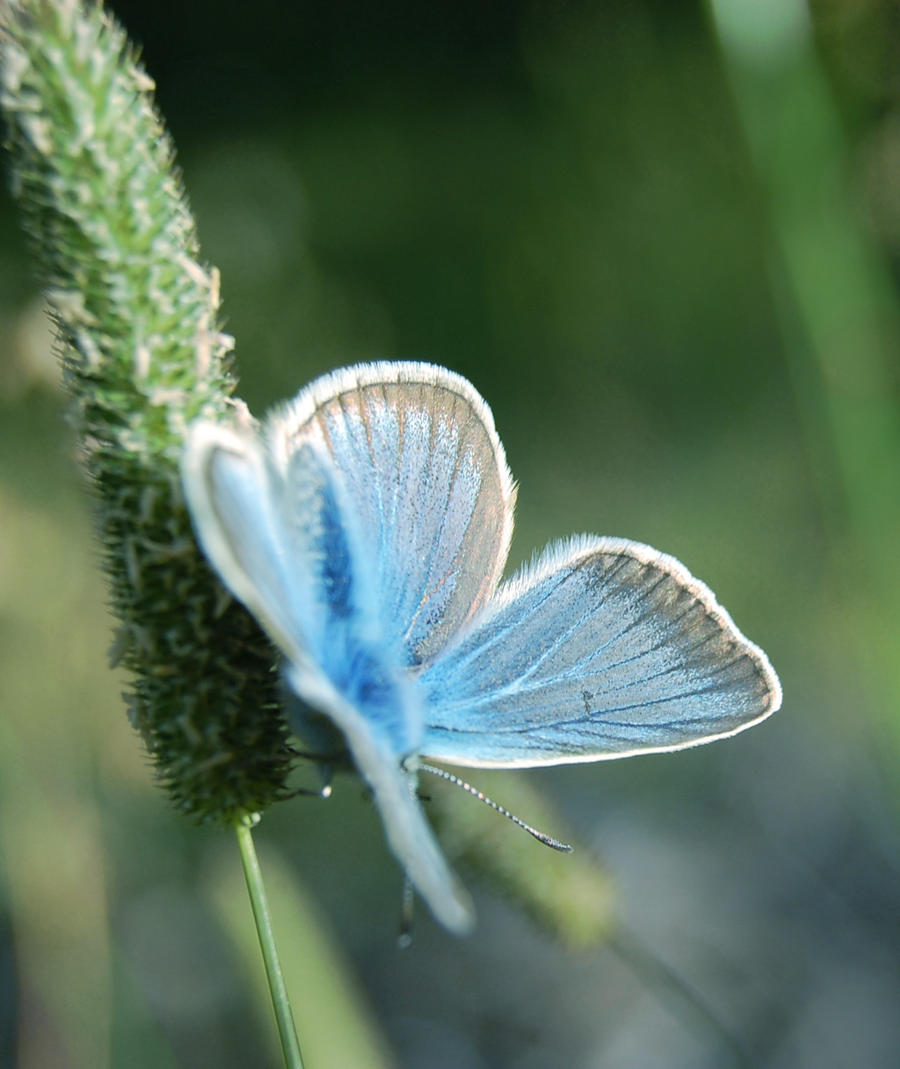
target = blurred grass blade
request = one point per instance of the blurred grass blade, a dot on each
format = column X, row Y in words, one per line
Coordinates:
column 839, row 315
column 47, row 764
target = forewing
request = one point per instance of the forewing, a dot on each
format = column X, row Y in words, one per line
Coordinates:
column 426, row 477
column 234, row 499
column 285, row 542
column 604, row 648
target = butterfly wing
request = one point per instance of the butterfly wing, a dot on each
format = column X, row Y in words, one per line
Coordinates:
column 603, row 648
column 233, row 495
column 427, row 480
column 408, row 833
column 283, row 540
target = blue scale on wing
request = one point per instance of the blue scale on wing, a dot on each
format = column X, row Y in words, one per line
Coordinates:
column 428, row 486
column 592, row 653
column 400, row 465
column 345, row 629
column 452, row 486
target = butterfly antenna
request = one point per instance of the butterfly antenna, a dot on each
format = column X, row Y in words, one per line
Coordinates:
column 541, row 836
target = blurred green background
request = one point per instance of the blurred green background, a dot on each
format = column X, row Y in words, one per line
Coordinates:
column 663, row 240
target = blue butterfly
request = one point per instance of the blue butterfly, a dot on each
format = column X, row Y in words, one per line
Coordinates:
column 367, row 524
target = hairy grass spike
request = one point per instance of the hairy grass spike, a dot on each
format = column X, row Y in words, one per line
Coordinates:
column 143, row 355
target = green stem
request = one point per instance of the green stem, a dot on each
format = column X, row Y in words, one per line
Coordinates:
column 277, row 990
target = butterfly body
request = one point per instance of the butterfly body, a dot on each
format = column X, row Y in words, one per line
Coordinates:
column 367, row 525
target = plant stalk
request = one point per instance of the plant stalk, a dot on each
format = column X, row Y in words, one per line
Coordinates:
column 281, row 1005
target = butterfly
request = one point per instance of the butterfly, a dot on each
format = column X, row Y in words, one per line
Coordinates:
column 366, row 525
